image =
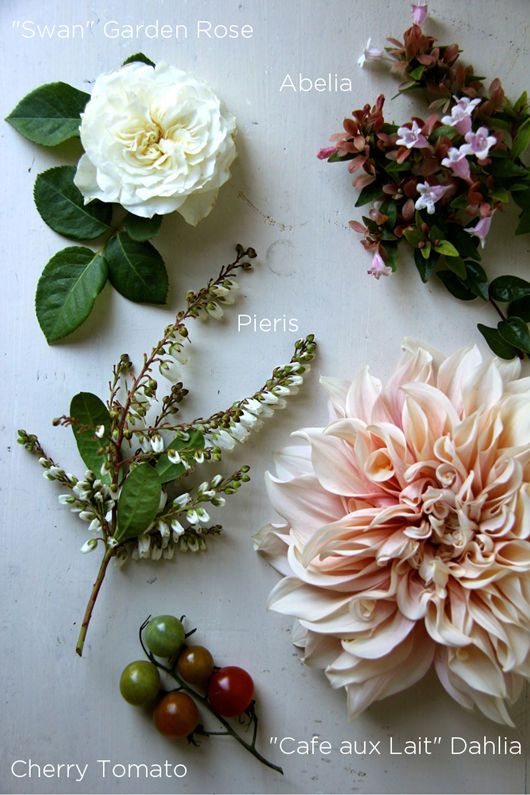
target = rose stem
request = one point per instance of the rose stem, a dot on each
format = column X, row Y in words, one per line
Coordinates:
column 109, row 552
column 204, row 701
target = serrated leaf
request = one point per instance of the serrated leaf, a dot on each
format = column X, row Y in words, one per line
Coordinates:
column 521, row 140
column 455, row 286
column 369, row 193
column 49, row 115
column 509, row 288
column 138, row 503
column 61, row 206
column 497, row 344
column 168, row 471
column 520, row 308
column 67, row 289
column 446, row 248
column 515, row 331
column 142, row 228
column 136, row 270
column 89, row 412
column 138, row 56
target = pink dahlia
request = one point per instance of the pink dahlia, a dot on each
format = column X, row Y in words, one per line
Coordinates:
column 404, row 541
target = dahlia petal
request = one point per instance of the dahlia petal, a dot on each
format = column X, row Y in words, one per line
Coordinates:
column 477, row 670
column 440, row 628
column 334, row 466
column 302, row 503
column 292, row 598
column 337, row 388
column 293, row 461
column 383, row 639
column 362, row 395
column 455, row 372
column 484, row 389
column 271, row 542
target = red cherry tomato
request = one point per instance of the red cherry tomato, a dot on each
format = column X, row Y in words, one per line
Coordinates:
column 230, row 691
column 176, row 715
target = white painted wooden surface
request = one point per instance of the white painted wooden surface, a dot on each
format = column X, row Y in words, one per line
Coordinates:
column 294, row 210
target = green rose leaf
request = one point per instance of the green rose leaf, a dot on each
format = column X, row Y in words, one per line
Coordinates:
column 89, row 413
column 136, row 270
column 497, row 343
column 139, row 502
column 446, row 248
column 520, row 308
column 138, row 56
column 455, row 286
column 509, row 288
column 49, row 115
column 67, row 289
column 522, row 139
column 142, row 228
column 168, row 471
column 515, row 332
column 369, row 193
column 61, row 206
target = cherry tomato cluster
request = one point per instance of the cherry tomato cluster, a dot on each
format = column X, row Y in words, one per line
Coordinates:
column 228, row 691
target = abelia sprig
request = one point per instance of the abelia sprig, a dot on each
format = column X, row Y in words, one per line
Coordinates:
column 138, row 451
column 438, row 182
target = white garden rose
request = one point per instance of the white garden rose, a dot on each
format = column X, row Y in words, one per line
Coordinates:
column 155, row 141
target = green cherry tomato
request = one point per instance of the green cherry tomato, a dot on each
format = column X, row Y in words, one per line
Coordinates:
column 140, row 682
column 176, row 715
column 164, row 635
column 195, row 665
column 230, row 691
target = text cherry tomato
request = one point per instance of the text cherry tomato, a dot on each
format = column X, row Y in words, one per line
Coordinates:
column 230, row 691
column 164, row 635
column 140, row 682
column 176, row 715
column 195, row 665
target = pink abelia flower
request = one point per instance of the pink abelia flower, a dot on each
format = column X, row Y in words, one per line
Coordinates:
column 412, row 137
column 370, row 54
column 456, row 160
column 480, row 229
column 429, row 195
column 379, row 268
column 326, row 152
column 419, row 13
column 461, row 114
column 479, row 143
